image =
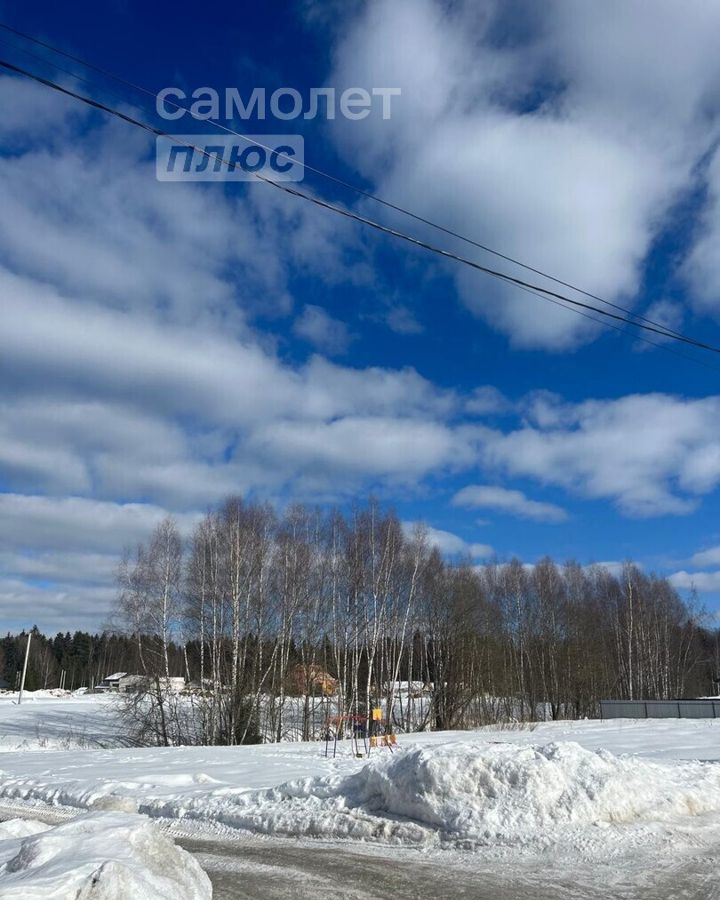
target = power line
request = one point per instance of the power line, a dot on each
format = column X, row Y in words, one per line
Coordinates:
column 624, row 332
column 536, row 289
column 324, row 204
column 339, row 181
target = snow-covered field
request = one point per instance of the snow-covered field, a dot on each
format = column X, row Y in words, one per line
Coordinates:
column 55, row 720
column 619, row 790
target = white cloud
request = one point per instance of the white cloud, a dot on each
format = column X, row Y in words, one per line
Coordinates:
column 402, row 320
column 126, row 331
column 653, row 454
column 178, row 368
column 702, row 267
column 85, row 212
column 514, row 503
column 399, row 449
column 487, row 400
column 122, row 381
column 564, row 144
column 709, row 557
column 75, row 524
column 34, row 114
column 59, row 556
column 666, row 313
column 322, row 331
column 65, row 566
column 448, row 543
column 59, row 608
column 133, row 370
column 704, row 582
column 613, row 566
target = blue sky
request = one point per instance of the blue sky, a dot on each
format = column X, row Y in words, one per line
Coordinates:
column 164, row 345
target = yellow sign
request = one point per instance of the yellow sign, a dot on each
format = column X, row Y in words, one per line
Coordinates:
column 377, row 715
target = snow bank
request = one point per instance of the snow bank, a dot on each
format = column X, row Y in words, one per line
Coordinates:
column 20, row 828
column 476, row 794
column 507, row 788
column 106, row 856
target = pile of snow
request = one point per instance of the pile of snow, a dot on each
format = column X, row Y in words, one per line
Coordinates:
column 106, row 856
column 492, row 787
column 20, row 828
column 476, row 794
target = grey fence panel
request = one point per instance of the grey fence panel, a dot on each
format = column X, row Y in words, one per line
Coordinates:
column 660, row 709
column 622, row 709
column 664, row 710
column 697, row 709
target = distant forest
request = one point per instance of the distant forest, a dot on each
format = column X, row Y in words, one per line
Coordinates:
column 85, row 658
column 253, row 598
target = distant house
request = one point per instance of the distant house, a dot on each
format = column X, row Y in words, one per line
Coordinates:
column 314, row 680
column 175, row 684
column 4, row 685
column 124, row 683
column 111, row 683
column 130, row 683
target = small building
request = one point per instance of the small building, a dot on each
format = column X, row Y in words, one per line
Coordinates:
column 313, row 679
column 132, row 684
column 111, row 682
column 125, row 683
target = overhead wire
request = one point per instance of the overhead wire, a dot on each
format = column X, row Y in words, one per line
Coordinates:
column 625, row 333
column 543, row 292
column 339, row 181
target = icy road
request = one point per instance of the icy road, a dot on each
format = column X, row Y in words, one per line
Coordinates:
column 274, row 869
column 262, row 868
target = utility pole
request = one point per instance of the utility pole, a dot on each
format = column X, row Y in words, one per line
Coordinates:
column 27, row 656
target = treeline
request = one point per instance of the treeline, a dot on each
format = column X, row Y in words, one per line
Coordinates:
column 85, row 659
column 258, row 607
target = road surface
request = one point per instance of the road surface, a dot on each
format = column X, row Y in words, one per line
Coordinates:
column 246, row 867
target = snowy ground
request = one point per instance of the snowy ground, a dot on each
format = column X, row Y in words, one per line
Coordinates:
column 501, row 791
column 54, row 720
column 621, row 808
